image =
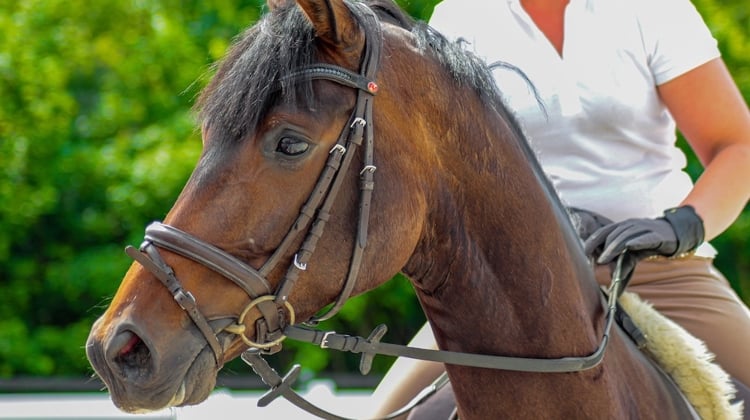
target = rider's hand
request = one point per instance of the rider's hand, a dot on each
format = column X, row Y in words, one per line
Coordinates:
column 679, row 230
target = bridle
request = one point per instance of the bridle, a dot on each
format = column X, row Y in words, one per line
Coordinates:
column 273, row 304
column 272, row 327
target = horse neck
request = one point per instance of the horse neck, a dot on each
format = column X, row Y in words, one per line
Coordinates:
column 500, row 270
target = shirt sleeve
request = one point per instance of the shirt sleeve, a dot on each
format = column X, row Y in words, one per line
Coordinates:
column 675, row 37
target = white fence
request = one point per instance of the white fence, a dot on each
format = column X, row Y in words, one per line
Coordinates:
column 222, row 404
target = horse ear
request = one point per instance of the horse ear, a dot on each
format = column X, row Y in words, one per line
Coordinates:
column 332, row 20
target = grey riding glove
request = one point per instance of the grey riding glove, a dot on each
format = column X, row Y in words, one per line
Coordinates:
column 587, row 222
column 680, row 230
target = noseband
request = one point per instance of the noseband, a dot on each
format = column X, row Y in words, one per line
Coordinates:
column 269, row 329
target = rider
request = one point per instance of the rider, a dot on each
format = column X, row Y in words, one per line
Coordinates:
column 616, row 78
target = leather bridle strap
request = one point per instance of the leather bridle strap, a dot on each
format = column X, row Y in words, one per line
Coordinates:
column 149, row 257
column 183, row 244
column 282, row 387
column 175, row 240
column 269, row 327
column 369, row 347
column 360, row 345
column 359, row 132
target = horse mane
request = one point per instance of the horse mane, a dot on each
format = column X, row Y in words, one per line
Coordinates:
column 250, row 79
column 247, row 80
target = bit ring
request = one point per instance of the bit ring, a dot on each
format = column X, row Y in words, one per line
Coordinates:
column 239, row 328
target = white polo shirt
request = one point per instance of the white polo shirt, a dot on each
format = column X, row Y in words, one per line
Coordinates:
column 604, row 137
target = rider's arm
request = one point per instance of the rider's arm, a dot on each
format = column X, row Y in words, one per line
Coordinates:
column 714, row 118
column 407, row 377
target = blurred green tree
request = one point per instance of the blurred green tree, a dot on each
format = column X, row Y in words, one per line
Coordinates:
column 98, row 138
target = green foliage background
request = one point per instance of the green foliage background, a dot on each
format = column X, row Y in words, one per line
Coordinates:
column 97, row 138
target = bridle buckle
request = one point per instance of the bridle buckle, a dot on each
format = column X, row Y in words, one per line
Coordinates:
column 324, row 341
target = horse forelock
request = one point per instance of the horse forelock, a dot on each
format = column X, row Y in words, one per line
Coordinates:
column 250, row 78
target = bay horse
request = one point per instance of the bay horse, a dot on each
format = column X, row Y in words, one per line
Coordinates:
column 462, row 207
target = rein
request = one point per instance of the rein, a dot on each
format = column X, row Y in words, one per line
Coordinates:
column 370, row 346
column 272, row 327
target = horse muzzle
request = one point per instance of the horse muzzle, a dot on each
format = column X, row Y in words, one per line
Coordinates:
column 149, row 371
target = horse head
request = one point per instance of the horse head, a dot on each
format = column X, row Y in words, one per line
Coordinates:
column 287, row 126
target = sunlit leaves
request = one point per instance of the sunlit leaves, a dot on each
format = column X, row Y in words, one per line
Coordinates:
column 97, row 139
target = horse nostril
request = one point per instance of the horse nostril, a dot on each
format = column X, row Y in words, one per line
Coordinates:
column 131, row 354
column 130, row 345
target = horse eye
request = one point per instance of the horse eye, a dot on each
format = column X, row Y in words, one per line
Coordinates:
column 291, row 146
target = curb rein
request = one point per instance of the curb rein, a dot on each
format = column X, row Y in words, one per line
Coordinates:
column 272, row 328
